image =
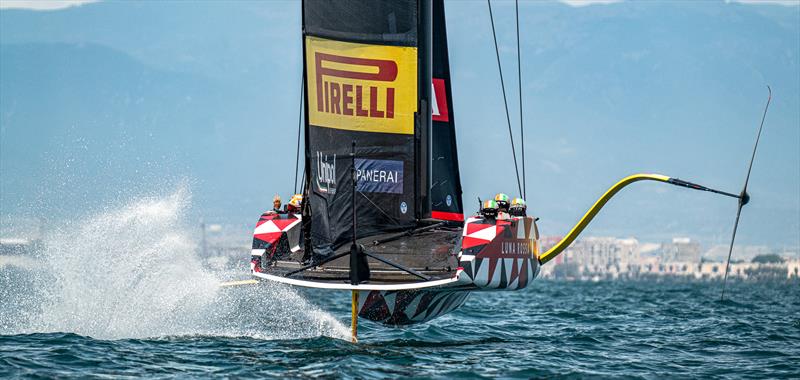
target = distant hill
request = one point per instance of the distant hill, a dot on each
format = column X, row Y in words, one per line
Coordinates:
column 119, row 98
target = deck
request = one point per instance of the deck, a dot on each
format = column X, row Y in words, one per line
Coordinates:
column 430, row 253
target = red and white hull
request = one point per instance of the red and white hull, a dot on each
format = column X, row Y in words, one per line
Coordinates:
column 494, row 254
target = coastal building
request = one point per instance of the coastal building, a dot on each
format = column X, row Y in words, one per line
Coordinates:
column 597, row 258
column 681, row 249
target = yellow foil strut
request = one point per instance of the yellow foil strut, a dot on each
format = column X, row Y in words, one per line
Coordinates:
column 238, row 283
column 354, row 318
column 587, row 218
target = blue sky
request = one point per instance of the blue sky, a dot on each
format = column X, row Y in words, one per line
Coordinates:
column 109, row 100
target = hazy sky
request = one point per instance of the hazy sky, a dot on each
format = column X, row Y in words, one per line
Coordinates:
column 103, row 101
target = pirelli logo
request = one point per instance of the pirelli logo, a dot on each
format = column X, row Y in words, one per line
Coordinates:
column 359, row 87
column 348, row 99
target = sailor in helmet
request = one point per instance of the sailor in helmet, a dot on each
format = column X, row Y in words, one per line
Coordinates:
column 294, row 204
column 502, row 205
column 518, row 207
column 489, row 209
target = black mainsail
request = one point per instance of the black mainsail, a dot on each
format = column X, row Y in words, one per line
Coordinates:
column 364, row 62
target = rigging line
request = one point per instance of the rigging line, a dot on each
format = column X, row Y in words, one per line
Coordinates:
column 398, row 266
column 521, row 125
column 303, row 183
column 394, row 220
column 505, row 101
column 299, row 129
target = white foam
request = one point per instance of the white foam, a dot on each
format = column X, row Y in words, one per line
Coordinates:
column 134, row 272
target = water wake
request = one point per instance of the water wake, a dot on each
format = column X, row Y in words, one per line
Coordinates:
column 134, row 272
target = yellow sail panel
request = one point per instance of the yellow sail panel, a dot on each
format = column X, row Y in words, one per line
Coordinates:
column 361, row 87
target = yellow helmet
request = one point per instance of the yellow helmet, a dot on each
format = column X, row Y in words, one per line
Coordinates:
column 297, row 200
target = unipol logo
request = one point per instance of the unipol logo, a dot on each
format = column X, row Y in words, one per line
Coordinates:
column 336, row 96
column 326, row 174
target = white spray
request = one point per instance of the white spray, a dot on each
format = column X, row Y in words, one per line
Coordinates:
column 133, row 272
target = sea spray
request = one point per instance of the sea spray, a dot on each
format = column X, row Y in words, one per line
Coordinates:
column 133, row 272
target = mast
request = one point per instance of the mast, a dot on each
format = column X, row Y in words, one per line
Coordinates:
column 306, row 205
column 423, row 136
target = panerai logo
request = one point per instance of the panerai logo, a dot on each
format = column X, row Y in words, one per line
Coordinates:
column 326, row 173
column 337, row 97
column 379, row 176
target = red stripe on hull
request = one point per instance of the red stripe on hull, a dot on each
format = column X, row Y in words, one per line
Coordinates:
column 452, row 216
column 469, row 242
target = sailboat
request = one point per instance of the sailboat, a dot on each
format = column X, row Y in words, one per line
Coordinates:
column 382, row 213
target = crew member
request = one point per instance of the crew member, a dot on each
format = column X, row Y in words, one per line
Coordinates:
column 502, row 205
column 518, row 207
column 489, row 209
column 276, row 205
column 294, row 204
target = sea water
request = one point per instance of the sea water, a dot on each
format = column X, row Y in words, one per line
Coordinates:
column 121, row 294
